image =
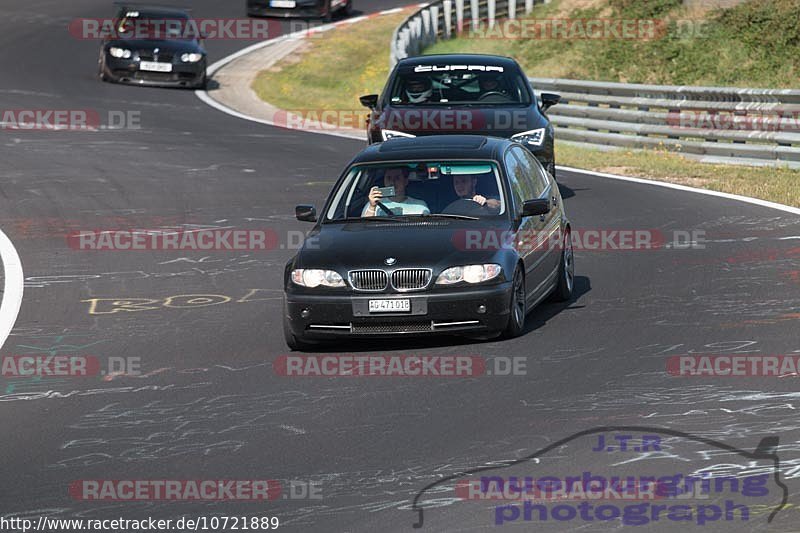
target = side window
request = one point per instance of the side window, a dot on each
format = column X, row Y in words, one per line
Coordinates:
column 529, row 179
column 514, row 172
column 539, row 173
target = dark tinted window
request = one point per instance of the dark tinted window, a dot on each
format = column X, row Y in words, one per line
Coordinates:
column 528, row 177
column 539, row 174
column 469, row 84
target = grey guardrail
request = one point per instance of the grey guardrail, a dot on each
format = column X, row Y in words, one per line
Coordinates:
column 720, row 124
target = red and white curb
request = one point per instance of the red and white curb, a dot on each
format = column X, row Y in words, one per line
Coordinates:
column 12, row 288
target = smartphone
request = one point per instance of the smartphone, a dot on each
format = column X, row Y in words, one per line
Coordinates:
column 386, row 191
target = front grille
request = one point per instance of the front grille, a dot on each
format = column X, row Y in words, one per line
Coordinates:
column 163, row 57
column 392, row 327
column 369, row 280
column 409, row 279
column 154, row 76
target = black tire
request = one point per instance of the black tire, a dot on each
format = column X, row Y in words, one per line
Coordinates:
column 566, row 271
column 518, row 307
column 347, row 10
column 551, row 168
column 328, row 16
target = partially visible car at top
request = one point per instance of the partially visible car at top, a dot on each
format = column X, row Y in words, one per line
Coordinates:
column 157, row 46
column 323, row 9
column 473, row 234
column 463, row 94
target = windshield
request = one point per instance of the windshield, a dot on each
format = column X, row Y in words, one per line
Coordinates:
column 459, row 84
column 416, row 189
column 152, row 26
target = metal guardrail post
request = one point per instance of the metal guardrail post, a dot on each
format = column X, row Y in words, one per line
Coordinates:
column 528, row 6
column 459, row 16
column 492, row 7
column 448, row 21
column 512, row 9
column 475, row 13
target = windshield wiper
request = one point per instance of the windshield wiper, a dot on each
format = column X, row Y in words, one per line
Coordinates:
column 444, row 215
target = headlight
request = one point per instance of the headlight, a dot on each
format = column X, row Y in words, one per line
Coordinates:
column 314, row 277
column 532, row 137
column 191, row 58
column 469, row 273
column 120, row 53
column 390, row 134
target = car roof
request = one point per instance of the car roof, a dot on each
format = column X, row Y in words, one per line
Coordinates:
column 435, row 148
column 464, row 59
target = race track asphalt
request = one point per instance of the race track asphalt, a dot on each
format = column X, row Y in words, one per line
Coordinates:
column 208, row 404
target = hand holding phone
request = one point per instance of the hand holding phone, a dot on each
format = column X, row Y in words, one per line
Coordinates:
column 387, row 192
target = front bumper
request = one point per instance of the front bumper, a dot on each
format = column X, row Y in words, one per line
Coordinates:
column 261, row 8
column 182, row 75
column 446, row 312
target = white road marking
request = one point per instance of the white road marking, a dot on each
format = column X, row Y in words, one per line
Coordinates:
column 13, row 287
column 746, row 199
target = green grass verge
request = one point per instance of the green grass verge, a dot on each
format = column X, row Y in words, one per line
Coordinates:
column 340, row 65
column 334, row 69
column 780, row 185
column 755, row 44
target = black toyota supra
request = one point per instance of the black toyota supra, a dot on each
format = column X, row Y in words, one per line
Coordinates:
column 453, row 234
column 157, row 46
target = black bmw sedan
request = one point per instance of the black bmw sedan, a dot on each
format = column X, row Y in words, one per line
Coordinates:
column 463, row 94
column 323, row 9
column 153, row 46
column 460, row 234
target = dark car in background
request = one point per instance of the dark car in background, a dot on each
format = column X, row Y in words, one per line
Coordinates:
column 466, row 94
column 157, row 46
column 323, row 9
column 468, row 233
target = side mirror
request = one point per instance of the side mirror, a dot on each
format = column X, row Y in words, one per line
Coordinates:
column 549, row 100
column 370, row 101
column 305, row 213
column 532, row 208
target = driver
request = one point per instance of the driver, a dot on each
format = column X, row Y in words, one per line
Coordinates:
column 464, row 186
column 490, row 84
column 418, row 89
column 399, row 203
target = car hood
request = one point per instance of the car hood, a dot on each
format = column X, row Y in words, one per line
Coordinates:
column 497, row 121
column 428, row 244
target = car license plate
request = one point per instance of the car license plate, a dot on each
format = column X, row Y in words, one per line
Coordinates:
column 155, row 66
column 282, row 3
column 389, row 306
